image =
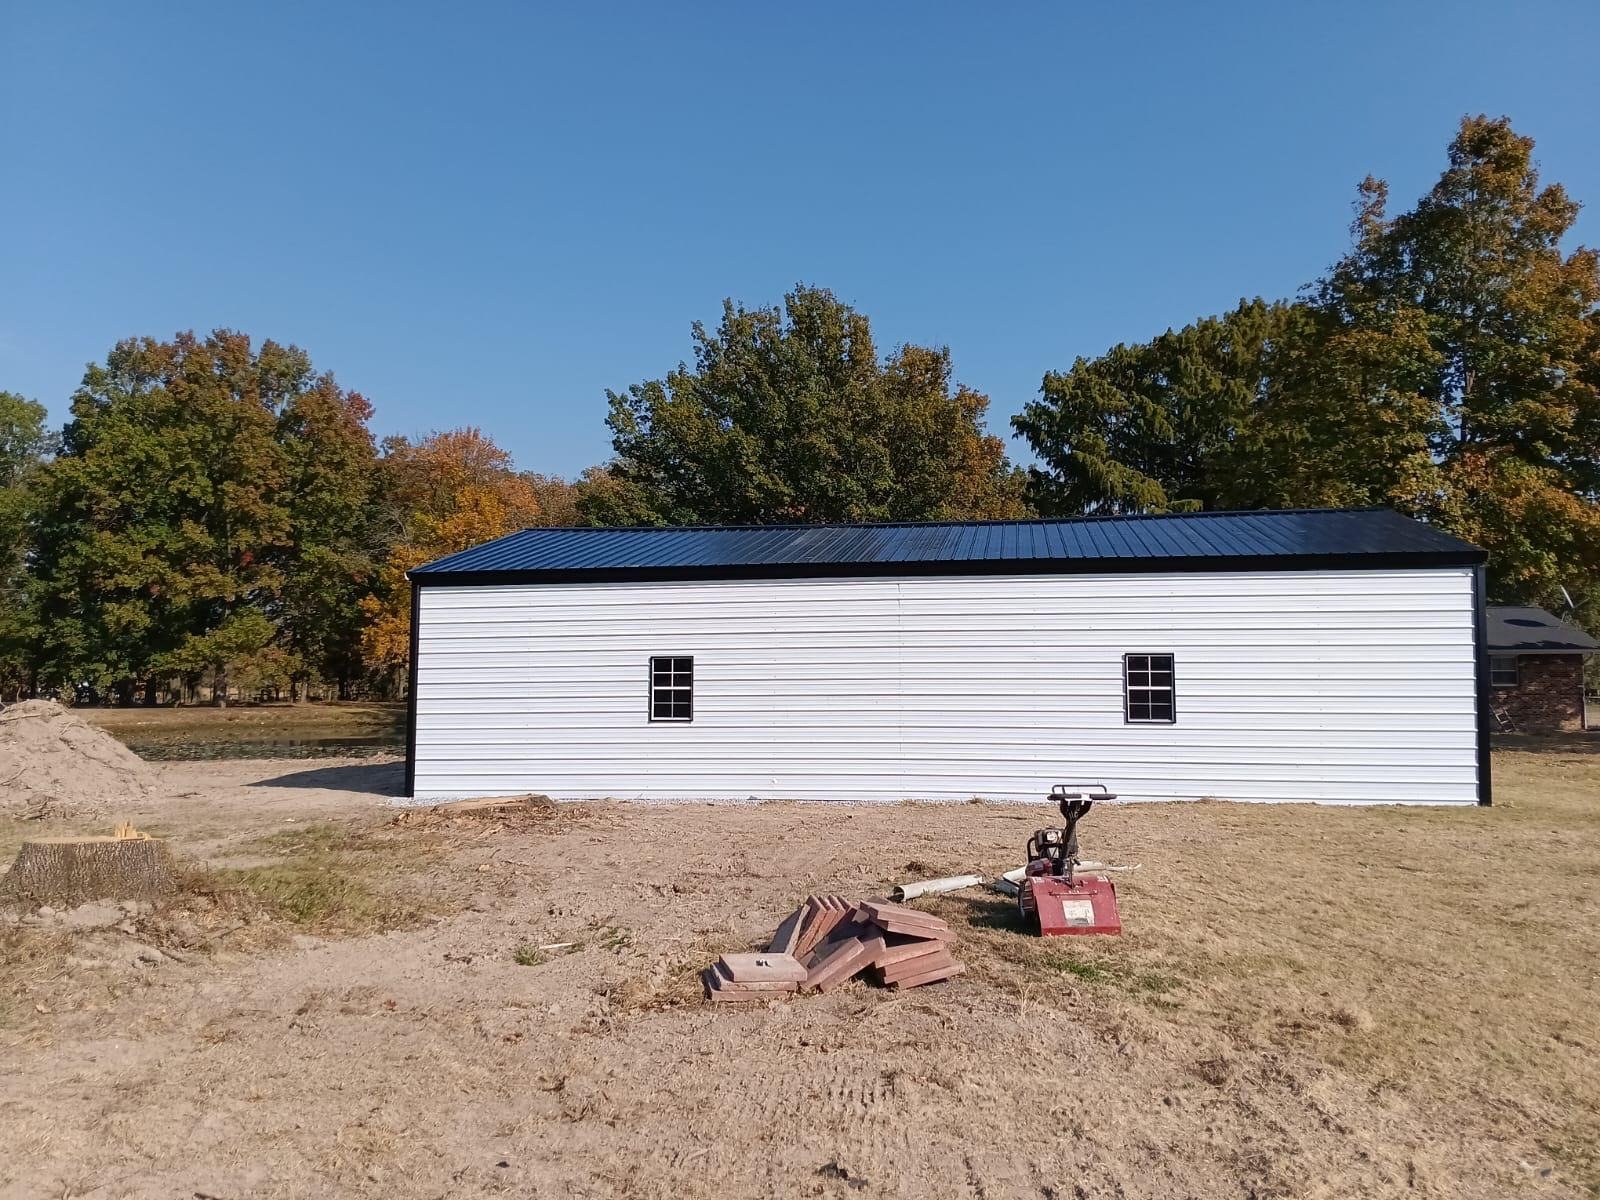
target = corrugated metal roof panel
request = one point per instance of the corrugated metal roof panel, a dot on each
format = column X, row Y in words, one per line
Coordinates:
column 1183, row 541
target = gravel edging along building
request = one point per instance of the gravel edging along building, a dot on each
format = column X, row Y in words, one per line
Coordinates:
column 1325, row 655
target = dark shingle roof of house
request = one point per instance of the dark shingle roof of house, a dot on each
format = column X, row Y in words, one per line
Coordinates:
column 1534, row 631
column 1222, row 541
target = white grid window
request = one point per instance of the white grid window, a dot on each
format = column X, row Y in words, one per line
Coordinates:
column 1148, row 692
column 1503, row 670
column 672, row 689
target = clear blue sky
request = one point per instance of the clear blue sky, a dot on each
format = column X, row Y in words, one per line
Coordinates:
column 489, row 214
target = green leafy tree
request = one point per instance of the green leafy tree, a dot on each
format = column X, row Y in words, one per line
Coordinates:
column 336, row 542
column 196, row 477
column 1349, row 421
column 601, row 497
column 1171, row 425
column 789, row 415
column 1502, row 374
column 25, row 444
column 1448, row 365
column 595, row 497
column 245, row 651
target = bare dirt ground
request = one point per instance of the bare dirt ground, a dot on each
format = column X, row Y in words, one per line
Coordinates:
column 1307, row 1002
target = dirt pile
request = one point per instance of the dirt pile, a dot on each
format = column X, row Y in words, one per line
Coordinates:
column 55, row 764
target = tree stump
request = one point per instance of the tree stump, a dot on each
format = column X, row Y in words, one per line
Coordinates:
column 72, row 870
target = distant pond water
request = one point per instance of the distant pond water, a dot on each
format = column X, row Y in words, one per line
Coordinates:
column 189, row 746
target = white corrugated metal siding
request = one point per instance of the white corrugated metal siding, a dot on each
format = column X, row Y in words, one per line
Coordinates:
column 1332, row 686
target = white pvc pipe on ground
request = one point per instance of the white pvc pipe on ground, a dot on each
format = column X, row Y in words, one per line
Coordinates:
column 932, row 887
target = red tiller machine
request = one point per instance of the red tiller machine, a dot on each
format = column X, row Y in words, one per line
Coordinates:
column 1053, row 899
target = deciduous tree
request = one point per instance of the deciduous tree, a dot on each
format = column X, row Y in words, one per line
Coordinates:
column 442, row 494
column 337, row 542
column 196, row 478
column 1448, row 365
column 790, row 415
column 25, row 444
column 1503, row 372
column 1170, row 425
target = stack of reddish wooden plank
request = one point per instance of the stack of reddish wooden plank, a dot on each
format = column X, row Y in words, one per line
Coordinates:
column 916, row 946
column 828, row 941
column 753, row 976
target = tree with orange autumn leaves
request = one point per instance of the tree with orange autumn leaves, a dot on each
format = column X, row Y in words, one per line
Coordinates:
column 447, row 492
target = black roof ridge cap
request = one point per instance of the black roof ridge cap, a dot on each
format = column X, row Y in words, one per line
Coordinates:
column 1213, row 512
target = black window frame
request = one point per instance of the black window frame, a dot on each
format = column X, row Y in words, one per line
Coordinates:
column 1516, row 670
column 1128, row 687
column 672, row 687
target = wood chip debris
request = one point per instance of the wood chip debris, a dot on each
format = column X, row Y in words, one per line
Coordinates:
column 828, row 941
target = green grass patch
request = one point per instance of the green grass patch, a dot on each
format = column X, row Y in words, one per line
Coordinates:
column 321, row 891
column 327, row 877
column 529, row 955
column 321, row 837
column 1087, row 972
column 1124, row 976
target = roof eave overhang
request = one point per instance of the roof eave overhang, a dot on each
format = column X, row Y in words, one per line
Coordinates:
column 1016, row 566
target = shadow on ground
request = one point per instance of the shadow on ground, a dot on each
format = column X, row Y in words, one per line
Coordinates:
column 379, row 779
column 990, row 912
column 1587, row 742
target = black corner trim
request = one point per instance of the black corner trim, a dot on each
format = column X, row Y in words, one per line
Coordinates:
column 1480, row 655
column 411, row 691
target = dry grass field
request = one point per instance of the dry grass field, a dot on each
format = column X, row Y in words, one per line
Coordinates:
column 1306, row 1002
column 330, row 718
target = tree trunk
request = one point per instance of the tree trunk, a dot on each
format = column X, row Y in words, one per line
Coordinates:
column 151, row 687
column 219, row 686
column 72, row 870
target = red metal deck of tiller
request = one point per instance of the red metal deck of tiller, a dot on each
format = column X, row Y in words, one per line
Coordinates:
column 1088, row 904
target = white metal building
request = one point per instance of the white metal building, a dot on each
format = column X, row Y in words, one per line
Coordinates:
column 1316, row 655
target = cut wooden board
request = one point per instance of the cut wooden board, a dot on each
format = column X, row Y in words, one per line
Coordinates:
column 898, row 947
column 805, row 935
column 901, row 919
column 728, row 983
column 826, row 913
column 921, row 964
column 761, row 968
column 787, row 937
column 840, row 975
column 719, row 991
column 841, row 962
column 844, row 931
column 933, row 976
column 714, row 977
column 896, row 925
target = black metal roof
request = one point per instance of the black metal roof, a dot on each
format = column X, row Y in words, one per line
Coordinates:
column 1297, row 539
column 1527, row 630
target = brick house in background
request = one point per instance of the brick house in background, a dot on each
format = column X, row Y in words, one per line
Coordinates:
column 1536, row 669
